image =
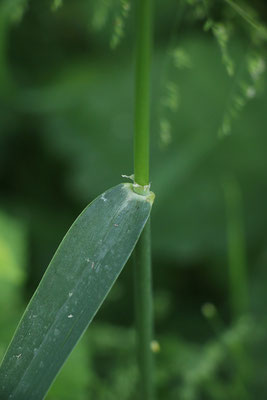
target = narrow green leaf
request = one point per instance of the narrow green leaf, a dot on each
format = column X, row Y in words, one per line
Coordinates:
column 78, row 279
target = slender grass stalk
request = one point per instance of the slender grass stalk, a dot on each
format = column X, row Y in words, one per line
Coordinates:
column 238, row 279
column 143, row 275
column 144, row 316
column 142, row 91
column 248, row 17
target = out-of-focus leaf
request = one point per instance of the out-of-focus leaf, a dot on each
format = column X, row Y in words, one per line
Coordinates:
column 78, row 279
column 75, row 376
column 11, row 251
column 12, row 263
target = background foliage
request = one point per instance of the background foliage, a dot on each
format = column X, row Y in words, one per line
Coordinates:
column 66, row 124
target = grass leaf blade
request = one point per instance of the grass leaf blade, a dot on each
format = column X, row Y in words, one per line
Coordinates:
column 79, row 277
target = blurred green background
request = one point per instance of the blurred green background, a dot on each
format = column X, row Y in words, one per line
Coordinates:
column 66, row 132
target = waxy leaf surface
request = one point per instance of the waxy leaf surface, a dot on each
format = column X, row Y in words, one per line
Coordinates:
column 79, row 277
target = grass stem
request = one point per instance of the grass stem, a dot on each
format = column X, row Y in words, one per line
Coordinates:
column 238, row 276
column 142, row 91
column 143, row 274
column 144, row 317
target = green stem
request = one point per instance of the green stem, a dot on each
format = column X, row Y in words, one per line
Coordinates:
column 144, row 318
column 143, row 279
column 142, row 91
column 238, row 279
